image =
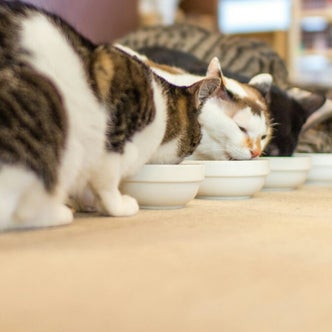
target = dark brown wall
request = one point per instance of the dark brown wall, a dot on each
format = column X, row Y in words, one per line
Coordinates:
column 99, row 20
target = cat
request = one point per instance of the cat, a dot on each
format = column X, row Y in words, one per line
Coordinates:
column 77, row 115
column 244, row 56
column 316, row 134
column 235, row 124
column 293, row 111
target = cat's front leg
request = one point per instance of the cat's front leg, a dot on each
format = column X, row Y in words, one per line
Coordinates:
column 115, row 204
column 105, row 184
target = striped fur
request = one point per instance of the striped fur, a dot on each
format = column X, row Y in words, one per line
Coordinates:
column 33, row 124
column 75, row 115
column 240, row 55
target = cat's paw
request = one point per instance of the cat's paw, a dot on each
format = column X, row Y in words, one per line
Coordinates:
column 46, row 216
column 63, row 215
column 123, row 207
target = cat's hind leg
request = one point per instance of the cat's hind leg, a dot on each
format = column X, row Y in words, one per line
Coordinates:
column 13, row 183
column 24, row 202
column 37, row 208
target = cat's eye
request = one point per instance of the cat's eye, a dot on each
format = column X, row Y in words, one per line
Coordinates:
column 243, row 129
column 263, row 137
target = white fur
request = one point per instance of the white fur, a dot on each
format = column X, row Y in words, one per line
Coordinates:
column 53, row 56
column 235, row 87
column 220, row 120
column 180, row 79
column 166, row 153
column 115, row 166
column 23, row 200
column 221, row 136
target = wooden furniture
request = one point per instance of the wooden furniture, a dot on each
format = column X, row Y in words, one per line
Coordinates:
column 205, row 13
column 310, row 42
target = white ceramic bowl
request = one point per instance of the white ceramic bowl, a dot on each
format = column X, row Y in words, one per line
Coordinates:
column 164, row 186
column 232, row 179
column 287, row 173
column 321, row 169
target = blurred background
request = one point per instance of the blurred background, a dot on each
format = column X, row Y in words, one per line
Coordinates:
column 299, row 30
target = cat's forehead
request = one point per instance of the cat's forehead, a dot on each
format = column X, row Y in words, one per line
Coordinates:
column 245, row 92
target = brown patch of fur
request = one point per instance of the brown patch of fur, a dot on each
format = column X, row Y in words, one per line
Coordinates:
column 182, row 122
column 168, row 69
column 103, row 72
column 249, row 143
column 255, row 101
column 182, row 110
column 129, row 99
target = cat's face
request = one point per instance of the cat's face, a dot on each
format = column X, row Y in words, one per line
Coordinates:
column 293, row 112
column 236, row 123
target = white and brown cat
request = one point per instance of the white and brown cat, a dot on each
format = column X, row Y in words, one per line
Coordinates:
column 235, row 121
column 74, row 114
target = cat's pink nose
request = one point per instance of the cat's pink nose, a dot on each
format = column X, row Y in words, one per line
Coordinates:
column 254, row 153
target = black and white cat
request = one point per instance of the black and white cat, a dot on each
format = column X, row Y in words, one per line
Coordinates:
column 74, row 114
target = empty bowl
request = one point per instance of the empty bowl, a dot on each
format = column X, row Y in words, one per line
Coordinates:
column 164, row 186
column 287, row 173
column 321, row 168
column 232, row 179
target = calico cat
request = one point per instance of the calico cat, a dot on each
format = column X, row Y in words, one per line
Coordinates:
column 244, row 56
column 235, row 122
column 74, row 114
column 292, row 110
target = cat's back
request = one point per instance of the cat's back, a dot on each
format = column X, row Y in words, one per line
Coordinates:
column 129, row 86
column 245, row 56
column 49, row 65
column 19, row 20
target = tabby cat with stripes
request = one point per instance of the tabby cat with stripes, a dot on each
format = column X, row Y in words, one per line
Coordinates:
column 74, row 114
column 244, row 56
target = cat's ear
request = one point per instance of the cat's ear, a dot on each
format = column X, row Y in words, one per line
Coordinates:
column 310, row 101
column 204, row 89
column 262, row 82
column 316, row 107
column 214, row 69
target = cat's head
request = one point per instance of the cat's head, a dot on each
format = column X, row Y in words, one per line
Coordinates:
column 293, row 111
column 236, row 122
